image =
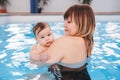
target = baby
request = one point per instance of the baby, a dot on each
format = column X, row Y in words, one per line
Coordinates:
column 44, row 37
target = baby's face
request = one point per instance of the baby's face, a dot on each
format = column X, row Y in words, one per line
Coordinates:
column 45, row 37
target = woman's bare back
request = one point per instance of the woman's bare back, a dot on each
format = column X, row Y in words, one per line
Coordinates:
column 67, row 50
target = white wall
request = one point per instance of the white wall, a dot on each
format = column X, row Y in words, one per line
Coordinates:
column 62, row 5
column 59, row 5
column 106, row 5
column 19, row 6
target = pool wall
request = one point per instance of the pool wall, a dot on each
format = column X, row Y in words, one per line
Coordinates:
column 36, row 18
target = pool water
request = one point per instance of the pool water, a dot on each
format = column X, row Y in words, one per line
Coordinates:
column 17, row 38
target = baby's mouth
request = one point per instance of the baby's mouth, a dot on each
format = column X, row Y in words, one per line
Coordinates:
column 49, row 43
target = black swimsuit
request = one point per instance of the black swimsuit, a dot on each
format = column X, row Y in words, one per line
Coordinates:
column 66, row 73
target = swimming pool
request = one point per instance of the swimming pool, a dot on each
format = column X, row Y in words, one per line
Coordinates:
column 16, row 38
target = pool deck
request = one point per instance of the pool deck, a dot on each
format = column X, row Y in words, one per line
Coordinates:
column 31, row 18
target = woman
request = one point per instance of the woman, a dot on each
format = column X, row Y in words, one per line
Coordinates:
column 68, row 54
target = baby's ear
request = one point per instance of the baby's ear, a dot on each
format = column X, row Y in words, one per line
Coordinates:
column 35, row 38
column 37, row 42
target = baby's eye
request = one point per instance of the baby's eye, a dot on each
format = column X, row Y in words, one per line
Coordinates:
column 42, row 37
column 49, row 34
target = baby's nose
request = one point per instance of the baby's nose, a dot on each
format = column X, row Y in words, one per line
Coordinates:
column 47, row 38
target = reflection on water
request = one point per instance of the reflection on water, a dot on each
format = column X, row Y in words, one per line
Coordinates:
column 16, row 40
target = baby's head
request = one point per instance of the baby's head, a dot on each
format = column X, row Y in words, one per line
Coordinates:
column 43, row 34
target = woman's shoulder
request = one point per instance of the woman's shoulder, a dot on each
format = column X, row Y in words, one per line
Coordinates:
column 68, row 38
column 62, row 39
column 67, row 41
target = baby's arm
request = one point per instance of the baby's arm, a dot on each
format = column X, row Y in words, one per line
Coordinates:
column 36, row 53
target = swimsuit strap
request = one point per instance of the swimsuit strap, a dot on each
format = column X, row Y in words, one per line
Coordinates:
column 64, row 68
column 74, row 65
column 56, row 69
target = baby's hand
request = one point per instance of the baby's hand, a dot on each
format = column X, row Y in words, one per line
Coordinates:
column 44, row 57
